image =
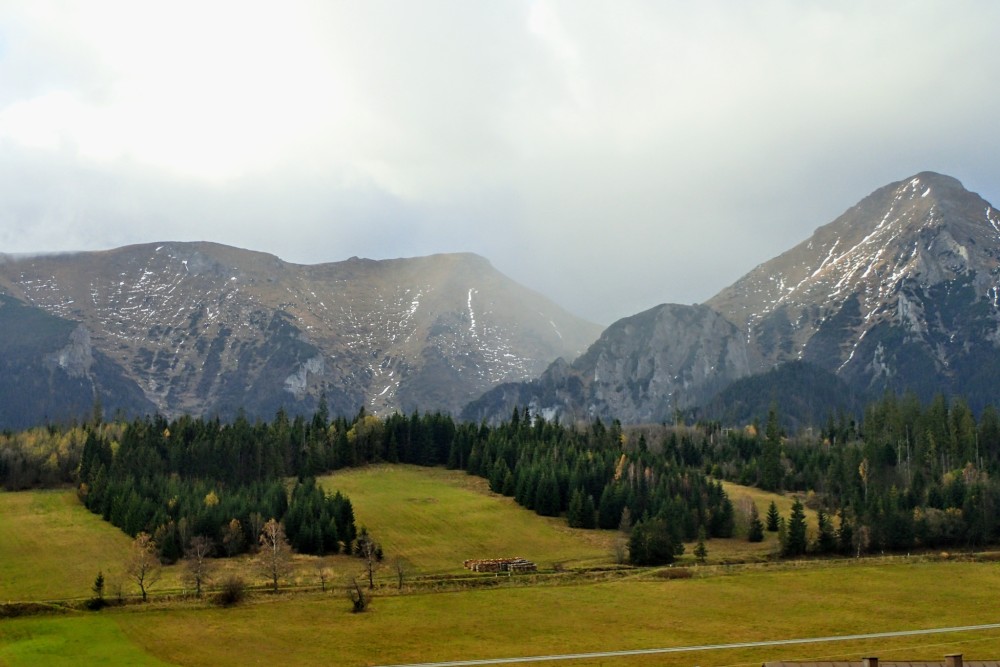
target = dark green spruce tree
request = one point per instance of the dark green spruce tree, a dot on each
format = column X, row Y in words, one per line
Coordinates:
column 795, row 543
column 755, row 529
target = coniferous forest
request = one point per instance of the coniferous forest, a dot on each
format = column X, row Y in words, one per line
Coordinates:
column 904, row 476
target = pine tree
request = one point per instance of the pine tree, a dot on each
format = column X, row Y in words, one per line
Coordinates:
column 589, row 518
column 700, row 551
column 772, row 518
column 795, row 538
column 98, row 586
column 845, row 535
column 574, row 514
column 755, row 531
column 826, row 539
column 771, row 473
column 547, row 502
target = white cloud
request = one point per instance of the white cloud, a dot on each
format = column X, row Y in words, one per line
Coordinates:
column 612, row 156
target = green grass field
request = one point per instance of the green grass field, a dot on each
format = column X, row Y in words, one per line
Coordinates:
column 52, row 547
column 74, row 640
column 631, row 614
column 435, row 519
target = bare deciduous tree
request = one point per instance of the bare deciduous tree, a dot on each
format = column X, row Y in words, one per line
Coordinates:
column 357, row 596
column 401, row 567
column 324, row 573
column 232, row 538
column 275, row 557
column 142, row 564
column 197, row 566
column 371, row 551
column 619, row 549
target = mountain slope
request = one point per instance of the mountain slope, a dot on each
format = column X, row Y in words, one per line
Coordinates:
column 805, row 395
column 641, row 369
column 49, row 371
column 899, row 292
column 205, row 328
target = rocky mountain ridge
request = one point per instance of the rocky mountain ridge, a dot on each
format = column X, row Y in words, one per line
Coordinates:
column 203, row 328
column 900, row 292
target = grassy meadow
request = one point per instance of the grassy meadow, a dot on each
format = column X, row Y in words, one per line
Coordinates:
column 644, row 612
column 435, row 519
column 52, row 547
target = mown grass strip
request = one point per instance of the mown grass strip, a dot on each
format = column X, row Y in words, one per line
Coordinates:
column 437, row 518
column 52, row 547
column 71, row 641
column 619, row 615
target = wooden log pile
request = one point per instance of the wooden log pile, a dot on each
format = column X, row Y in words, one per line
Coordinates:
column 500, row 565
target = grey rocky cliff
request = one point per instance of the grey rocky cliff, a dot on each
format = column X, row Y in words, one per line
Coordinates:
column 641, row 369
column 209, row 329
column 76, row 357
column 900, row 292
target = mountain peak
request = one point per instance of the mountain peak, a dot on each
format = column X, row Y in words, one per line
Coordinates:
column 208, row 328
column 932, row 178
column 902, row 291
column 872, row 269
column 928, row 186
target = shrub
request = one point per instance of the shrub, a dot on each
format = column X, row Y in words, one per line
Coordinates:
column 232, row 592
column 96, row 604
column 674, row 573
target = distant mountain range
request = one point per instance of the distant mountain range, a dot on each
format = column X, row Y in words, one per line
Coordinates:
column 900, row 292
column 207, row 329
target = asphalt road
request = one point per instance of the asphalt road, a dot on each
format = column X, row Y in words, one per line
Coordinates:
column 691, row 649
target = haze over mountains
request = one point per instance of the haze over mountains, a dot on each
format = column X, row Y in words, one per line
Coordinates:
column 901, row 292
column 208, row 329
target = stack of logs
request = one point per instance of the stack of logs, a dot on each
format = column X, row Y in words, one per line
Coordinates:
column 500, row 565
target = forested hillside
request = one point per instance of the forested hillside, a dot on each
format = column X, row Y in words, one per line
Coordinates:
column 907, row 476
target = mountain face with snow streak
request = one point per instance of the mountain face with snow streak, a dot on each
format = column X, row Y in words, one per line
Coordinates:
column 899, row 292
column 641, row 369
column 201, row 328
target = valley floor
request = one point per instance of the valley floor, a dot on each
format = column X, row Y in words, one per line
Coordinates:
column 551, row 614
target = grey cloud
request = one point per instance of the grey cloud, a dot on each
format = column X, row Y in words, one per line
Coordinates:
column 612, row 158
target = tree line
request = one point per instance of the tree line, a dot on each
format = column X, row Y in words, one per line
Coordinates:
column 170, row 480
column 905, row 475
column 908, row 475
column 176, row 479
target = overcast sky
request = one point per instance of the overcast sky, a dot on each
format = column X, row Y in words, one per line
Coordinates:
column 611, row 155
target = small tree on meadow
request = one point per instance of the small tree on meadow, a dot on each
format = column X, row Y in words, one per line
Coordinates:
column 755, row 530
column 401, row 567
column 323, row 573
column 371, row 551
column 97, row 602
column 142, row 564
column 98, row 586
column 275, row 557
column 773, row 518
column 197, row 566
column 700, row 550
